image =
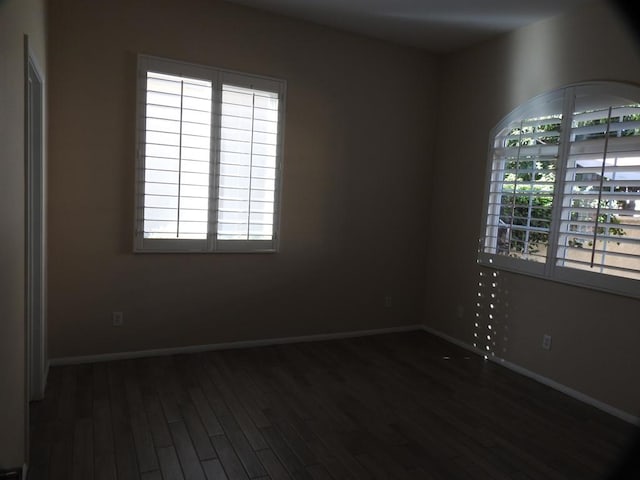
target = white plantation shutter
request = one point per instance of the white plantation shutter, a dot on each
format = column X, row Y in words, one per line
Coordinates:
column 522, row 188
column 600, row 226
column 208, row 159
column 563, row 188
column 177, row 157
column 248, row 150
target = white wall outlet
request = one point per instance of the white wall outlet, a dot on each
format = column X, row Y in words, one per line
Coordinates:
column 546, row 342
column 117, row 319
column 388, row 301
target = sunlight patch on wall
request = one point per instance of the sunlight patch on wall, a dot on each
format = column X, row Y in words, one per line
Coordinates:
column 490, row 333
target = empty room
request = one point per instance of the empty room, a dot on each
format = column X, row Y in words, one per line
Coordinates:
column 304, row 239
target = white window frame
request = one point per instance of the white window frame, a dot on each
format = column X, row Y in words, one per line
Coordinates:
column 551, row 269
column 218, row 77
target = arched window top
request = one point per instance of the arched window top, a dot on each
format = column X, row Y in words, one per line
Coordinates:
column 563, row 188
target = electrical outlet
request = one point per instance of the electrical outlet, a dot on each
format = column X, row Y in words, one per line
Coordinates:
column 117, row 319
column 388, row 302
column 546, row 342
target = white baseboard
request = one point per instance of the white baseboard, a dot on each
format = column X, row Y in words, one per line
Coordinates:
column 628, row 417
column 226, row 346
column 616, row 412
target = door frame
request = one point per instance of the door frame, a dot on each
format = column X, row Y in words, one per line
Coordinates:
column 35, row 295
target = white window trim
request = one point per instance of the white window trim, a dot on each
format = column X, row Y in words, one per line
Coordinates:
column 549, row 270
column 218, row 77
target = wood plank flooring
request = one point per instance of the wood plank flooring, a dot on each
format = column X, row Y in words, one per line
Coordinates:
column 380, row 407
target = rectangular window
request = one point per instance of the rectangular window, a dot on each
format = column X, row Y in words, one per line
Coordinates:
column 209, row 159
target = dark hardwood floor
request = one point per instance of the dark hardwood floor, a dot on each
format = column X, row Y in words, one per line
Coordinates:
column 380, row 407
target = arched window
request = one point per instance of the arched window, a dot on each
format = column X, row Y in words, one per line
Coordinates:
column 563, row 188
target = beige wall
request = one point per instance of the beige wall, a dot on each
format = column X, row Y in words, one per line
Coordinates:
column 356, row 182
column 358, row 189
column 17, row 17
column 595, row 335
